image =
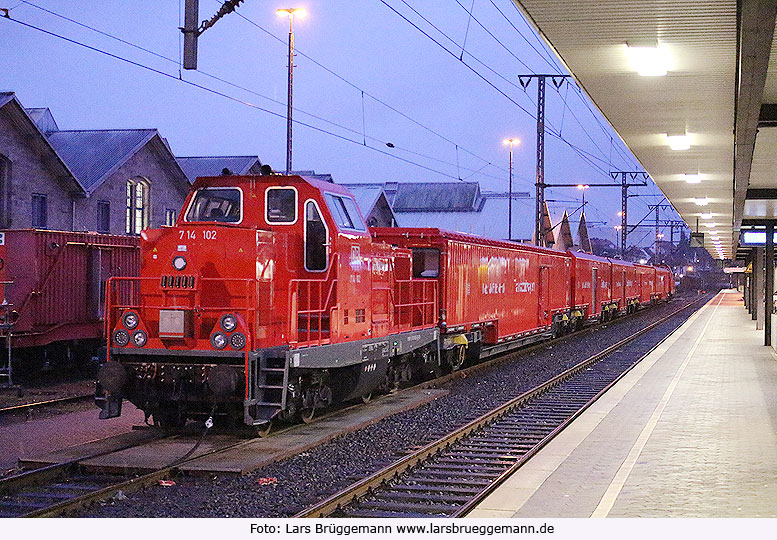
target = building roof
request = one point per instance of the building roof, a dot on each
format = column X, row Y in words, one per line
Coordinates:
column 490, row 220
column 436, row 197
column 22, row 118
column 93, row 155
column 43, row 119
column 197, row 166
column 367, row 196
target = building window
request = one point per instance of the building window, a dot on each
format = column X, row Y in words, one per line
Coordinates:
column 170, row 216
column 138, row 205
column 5, row 191
column 39, row 211
column 103, row 216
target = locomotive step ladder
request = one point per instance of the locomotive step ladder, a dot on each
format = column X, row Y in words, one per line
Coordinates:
column 270, row 388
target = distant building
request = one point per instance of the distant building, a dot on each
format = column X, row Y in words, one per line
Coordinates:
column 460, row 207
column 372, row 201
column 116, row 181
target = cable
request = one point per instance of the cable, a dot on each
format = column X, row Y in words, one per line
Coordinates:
column 541, row 53
column 505, row 47
column 586, row 156
column 368, row 94
column 227, row 96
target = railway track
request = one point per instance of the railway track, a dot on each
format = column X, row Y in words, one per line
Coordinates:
column 66, row 487
column 27, row 407
column 450, row 476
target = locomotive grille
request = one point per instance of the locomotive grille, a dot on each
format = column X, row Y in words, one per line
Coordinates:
column 177, row 282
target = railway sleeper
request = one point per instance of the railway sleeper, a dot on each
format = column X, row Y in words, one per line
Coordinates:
column 440, row 509
column 396, row 494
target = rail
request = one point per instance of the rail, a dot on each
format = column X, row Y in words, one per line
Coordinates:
column 371, row 485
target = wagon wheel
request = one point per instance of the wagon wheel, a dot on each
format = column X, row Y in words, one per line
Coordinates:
column 263, row 430
column 307, row 415
column 366, row 398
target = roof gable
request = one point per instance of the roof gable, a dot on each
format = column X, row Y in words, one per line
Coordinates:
column 93, row 155
column 10, row 104
column 196, row 166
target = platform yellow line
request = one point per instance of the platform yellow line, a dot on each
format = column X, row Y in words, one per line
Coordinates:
column 619, row 480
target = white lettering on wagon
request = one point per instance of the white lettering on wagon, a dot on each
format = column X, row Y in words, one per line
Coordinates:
column 493, row 288
column 524, row 287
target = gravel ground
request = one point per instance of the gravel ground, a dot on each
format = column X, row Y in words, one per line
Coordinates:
column 309, row 477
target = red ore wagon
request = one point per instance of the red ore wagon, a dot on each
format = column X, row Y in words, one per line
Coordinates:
column 53, row 289
column 491, row 292
column 594, row 291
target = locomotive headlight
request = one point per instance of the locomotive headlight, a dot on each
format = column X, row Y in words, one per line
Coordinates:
column 218, row 340
column 228, row 322
column 237, row 341
column 131, row 320
column 179, row 263
column 121, row 337
column 139, row 338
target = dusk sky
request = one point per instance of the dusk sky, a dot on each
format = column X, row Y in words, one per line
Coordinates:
column 357, row 60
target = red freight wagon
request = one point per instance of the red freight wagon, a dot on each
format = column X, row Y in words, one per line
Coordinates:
column 593, row 287
column 502, row 290
column 664, row 282
column 646, row 277
column 625, row 288
column 53, row 282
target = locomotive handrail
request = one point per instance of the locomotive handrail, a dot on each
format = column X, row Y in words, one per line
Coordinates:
column 418, row 305
column 294, row 285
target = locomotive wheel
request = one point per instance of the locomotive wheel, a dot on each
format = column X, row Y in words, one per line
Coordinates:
column 307, row 415
column 263, row 430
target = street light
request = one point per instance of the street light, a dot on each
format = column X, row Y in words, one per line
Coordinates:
column 511, row 142
column 583, row 187
column 290, row 12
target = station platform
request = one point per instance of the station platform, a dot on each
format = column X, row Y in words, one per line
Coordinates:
column 691, row 431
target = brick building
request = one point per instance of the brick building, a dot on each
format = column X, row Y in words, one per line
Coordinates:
column 116, row 181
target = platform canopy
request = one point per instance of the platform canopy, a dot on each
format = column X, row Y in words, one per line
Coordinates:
column 718, row 95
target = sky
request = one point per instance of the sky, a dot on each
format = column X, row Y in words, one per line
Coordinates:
column 437, row 79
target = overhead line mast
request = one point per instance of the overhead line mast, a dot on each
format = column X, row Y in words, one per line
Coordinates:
column 192, row 29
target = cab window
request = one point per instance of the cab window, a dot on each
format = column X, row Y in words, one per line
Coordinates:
column 281, row 205
column 223, row 205
column 344, row 212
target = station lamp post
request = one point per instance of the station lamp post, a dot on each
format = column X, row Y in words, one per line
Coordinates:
column 290, row 12
column 583, row 187
column 511, row 142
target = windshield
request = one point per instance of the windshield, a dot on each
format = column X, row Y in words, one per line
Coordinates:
column 223, row 205
column 344, row 212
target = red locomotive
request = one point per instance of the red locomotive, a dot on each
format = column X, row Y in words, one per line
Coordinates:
column 270, row 298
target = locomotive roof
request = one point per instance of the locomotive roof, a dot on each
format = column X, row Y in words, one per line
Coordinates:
column 274, row 180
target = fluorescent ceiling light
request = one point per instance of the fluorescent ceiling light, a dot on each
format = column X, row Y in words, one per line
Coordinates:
column 654, row 61
column 678, row 142
column 710, row 224
column 692, row 178
column 701, row 201
column 705, row 216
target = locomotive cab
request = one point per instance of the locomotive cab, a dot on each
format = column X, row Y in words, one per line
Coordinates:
column 267, row 297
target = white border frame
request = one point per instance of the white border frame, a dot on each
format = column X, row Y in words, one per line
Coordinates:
column 191, row 201
column 305, row 236
column 366, row 229
column 296, row 206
